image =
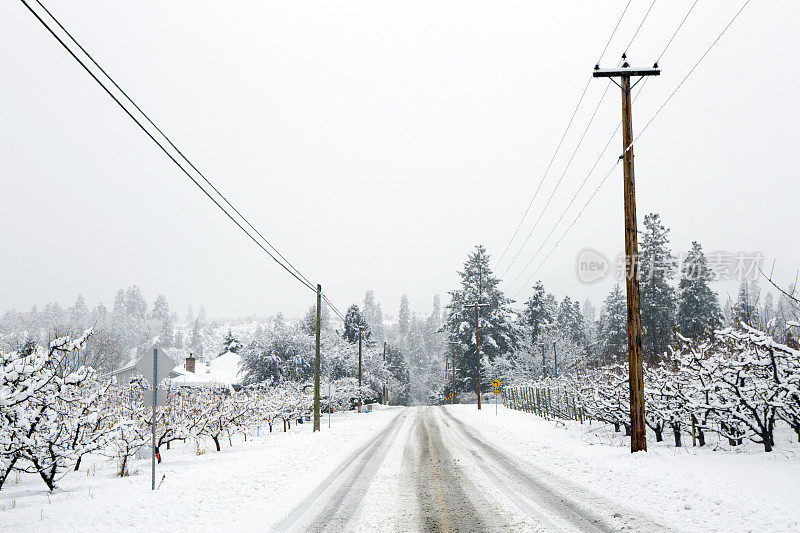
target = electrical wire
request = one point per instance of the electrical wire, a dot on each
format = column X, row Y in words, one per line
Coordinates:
column 563, row 136
column 560, row 180
column 169, row 141
column 605, row 178
column 686, row 77
column 638, row 28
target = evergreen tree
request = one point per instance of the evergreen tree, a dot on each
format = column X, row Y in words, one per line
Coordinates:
column 160, row 308
column 418, row 363
column 657, row 268
column 746, row 308
column 309, row 322
column 589, row 318
column 118, row 310
column 433, row 325
column 100, row 315
column 404, row 316
column 196, row 341
column 135, row 304
column 166, row 337
column 373, row 315
column 354, row 322
column 699, row 313
column 399, row 383
column 79, row 314
column 497, row 333
column 538, row 312
column 613, row 326
column 230, row 344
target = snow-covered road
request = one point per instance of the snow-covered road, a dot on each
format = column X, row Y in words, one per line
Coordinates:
column 428, row 471
column 398, row 469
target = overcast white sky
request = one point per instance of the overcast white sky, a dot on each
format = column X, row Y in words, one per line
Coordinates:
column 376, row 143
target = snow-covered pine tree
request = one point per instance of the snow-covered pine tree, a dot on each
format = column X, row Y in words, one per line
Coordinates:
column 399, row 379
column 79, row 314
column 657, row 268
column 373, row 315
column 497, row 332
column 230, row 344
column 160, row 309
column 538, row 313
column 418, row 363
column 745, row 310
column 353, row 322
column 166, row 337
column 699, row 313
column 612, row 327
column 404, row 316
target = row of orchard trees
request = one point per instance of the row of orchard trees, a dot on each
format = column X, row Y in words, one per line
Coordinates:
column 548, row 336
column 740, row 386
column 54, row 411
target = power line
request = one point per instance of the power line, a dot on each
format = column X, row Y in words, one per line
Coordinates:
column 638, row 28
column 563, row 136
column 691, row 70
column 600, row 59
column 575, row 196
column 605, row 178
column 161, row 146
column 583, row 183
column 560, row 180
column 676, row 31
column 169, row 141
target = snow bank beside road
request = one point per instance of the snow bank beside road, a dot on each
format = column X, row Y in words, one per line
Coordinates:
column 247, row 487
column 683, row 488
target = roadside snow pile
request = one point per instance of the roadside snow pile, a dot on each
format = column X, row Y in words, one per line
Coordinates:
column 682, row 488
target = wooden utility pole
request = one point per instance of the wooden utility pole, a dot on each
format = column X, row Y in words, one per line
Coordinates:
column 477, row 305
column 359, row 369
column 316, row 361
column 385, row 401
column 635, row 372
column 453, row 349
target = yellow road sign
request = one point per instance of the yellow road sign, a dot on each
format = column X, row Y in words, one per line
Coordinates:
column 496, row 383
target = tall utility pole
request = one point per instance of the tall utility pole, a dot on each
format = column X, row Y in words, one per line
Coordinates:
column 385, row 401
column 359, row 369
column 635, row 372
column 316, row 361
column 453, row 346
column 477, row 305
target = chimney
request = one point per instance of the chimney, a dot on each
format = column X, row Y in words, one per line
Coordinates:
column 190, row 364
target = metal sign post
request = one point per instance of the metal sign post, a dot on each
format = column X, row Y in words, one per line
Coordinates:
column 143, row 366
column 155, row 403
column 496, row 391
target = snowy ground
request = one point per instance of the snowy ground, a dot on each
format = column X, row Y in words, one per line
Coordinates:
column 451, row 469
column 741, row 489
column 247, row 487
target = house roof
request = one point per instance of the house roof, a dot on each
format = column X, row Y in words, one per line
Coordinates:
column 221, row 371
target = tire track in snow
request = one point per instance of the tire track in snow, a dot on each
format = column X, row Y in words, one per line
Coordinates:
column 524, row 486
column 343, row 489
column 438, row 483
